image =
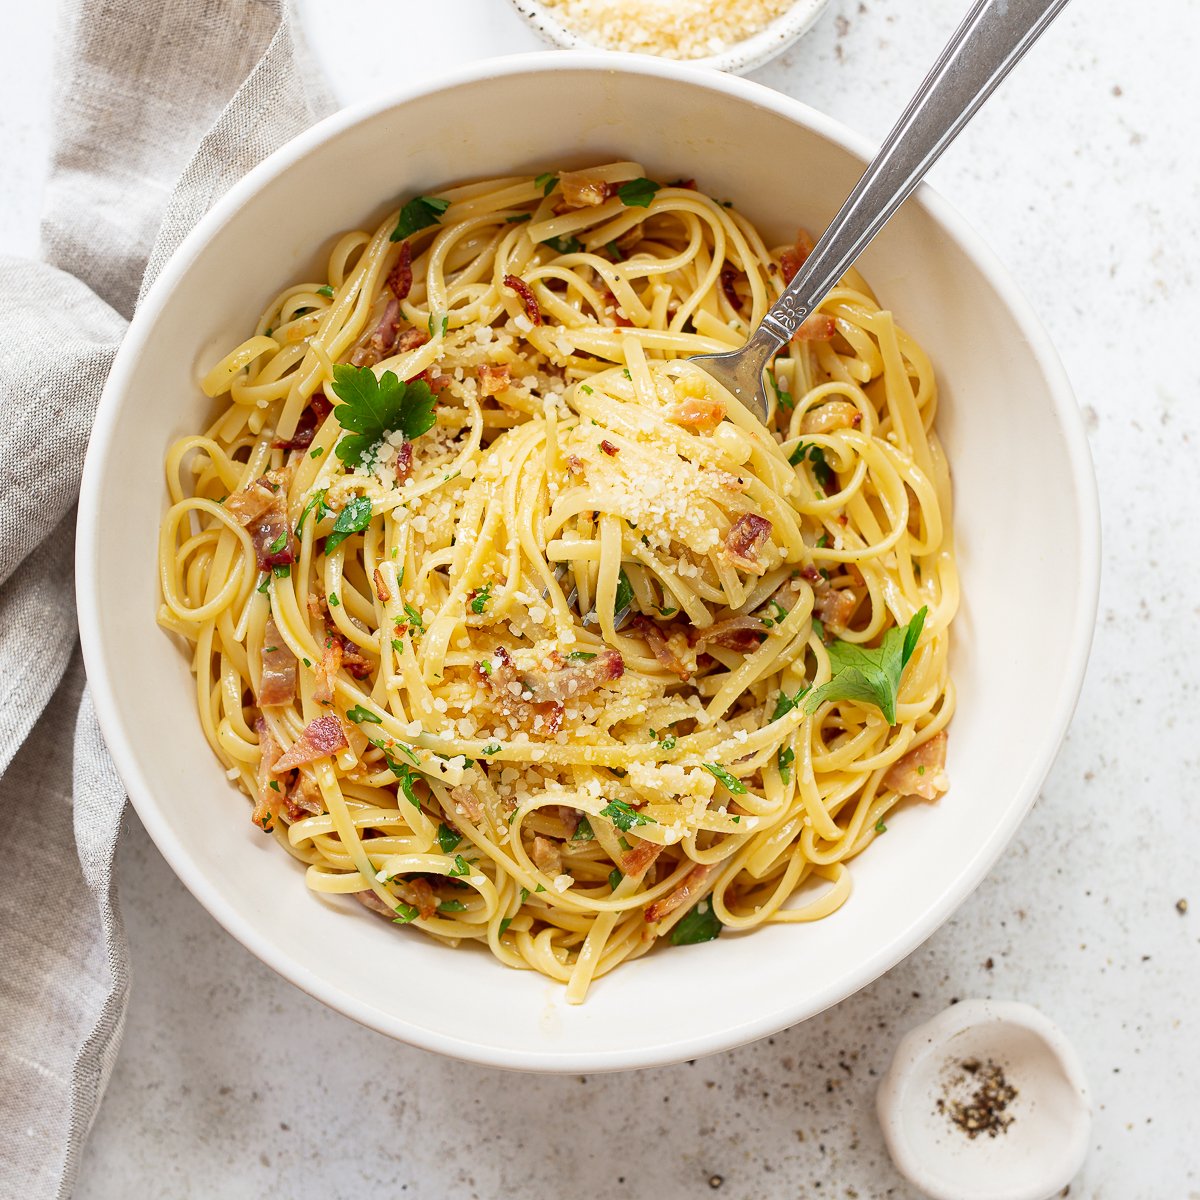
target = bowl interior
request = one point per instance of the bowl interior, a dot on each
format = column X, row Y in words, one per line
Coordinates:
column 1024, row 518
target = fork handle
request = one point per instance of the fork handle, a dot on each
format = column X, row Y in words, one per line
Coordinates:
column 991, row 40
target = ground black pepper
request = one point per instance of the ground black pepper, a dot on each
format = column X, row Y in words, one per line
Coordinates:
column 985, row 1109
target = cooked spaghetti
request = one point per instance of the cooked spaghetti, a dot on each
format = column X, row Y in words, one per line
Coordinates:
column 517, row 626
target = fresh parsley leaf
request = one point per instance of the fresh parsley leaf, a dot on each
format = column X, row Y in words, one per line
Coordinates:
column 517, row 218
column 667, row 612
column 419, row 213
column 278, row 544
column 480, row 599
column 405, row 914
column 334, row 602
column 870, row 676
column 624, row 817
column 358, row 714
column 354, row 518
column 880, row 827
column 451, row 906
column 782, row 396
column 433, row 323
column 282, row 571
column 325, row 291
column 563, row 245
column 699, row 925
column 491, row 748
column 624, row 596
column 615, row 251
column 372, row 408
column 784, row 760
column 504, row 924
column 317, row 498
column 461, row 867
column 614, row 878
column 524, row 894
column 580, row 656
column 732, row 784
column 447, row 838
column 317, row 452
column 637, row 193
column 785, row 703
column 583, row 831
column 822, row 471
column 414, row 617
column 546, row 182
column 667, row 743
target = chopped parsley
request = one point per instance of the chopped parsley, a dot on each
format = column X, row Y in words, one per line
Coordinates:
column 461, row 867
column 624, row 596
column 782, row 396
column 615, row 251
column 358, row 714
column 784, row 760
column 480, row 599
column 583, row 831
column 354, row 518
column 419, row 213
column 517, row 218
column 433, row 322
column 492, row 748
column 397, row 645
column 563, row 245
column 614, row 878
column 278, row 544
column 732, row 784
column 317, row 452
column 637, row 193
column 504, row 924
column 282, row 571
column 275, row 785
column 580, row 656
column 667, row 612
column 447, row 838
column 372, row 408
column 624, row 817
column 700, row 924
column 451, row 906
column 870, row 676
column 546, row 182
column 822, row 472
column 583, row 387
column 785, row 703
column 404, row 914
column 317, row 501
column 325, row 291
column 880, row 827
column 334, row 602
column 414, row 618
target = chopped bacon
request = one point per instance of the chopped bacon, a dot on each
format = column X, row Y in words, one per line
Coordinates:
column 368, row 899
column 303, row 798
column 635, row 861
column 311, row 419
column 327, row 669
column 319, row 739
column 744, row 540
column 729, row 277
column 574, row 464
column 261, row 507
column 410, row 339
column 401, row 277
column 581, row 190
column 418, row 893
column 697, row 412
column 743, row 633
column 660, row 645
column 354, row 660
column 570, row 817
column 833, row 606
column 278, row 684
column 692, row 886
column 547, row 855
column 381, row 587
column 404, row 462
column 793, row 258
column 571, row 682
column 609, row 448
column 836, row 414
column 817, row 328
column 525, row 294
column 268, row 760
column 922, row 771
column 382, row 339
column 493, row 379
column 466, row 802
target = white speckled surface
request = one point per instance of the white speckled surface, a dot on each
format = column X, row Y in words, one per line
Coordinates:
column 1083, row 172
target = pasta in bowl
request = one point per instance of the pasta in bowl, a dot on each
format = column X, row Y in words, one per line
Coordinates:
column 516, row 625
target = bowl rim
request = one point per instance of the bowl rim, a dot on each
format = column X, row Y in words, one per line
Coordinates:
column 971, row 872
column 743, row 55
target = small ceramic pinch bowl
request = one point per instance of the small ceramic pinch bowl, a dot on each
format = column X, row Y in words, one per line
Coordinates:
column 1046, row 1122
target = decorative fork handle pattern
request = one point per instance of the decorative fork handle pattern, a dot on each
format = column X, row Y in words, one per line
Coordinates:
column 992, row 39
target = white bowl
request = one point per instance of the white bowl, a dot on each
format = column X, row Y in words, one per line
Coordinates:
column 1026, row 520
column 1037, row 1155
column 739, row 57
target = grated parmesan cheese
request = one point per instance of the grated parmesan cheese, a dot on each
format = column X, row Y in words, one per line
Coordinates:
column 670, row 28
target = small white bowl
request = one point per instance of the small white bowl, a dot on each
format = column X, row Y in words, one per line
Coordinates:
column 738, row 58
column 1036, row 1155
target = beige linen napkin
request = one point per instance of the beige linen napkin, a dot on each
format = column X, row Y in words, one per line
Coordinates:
column 162, row 105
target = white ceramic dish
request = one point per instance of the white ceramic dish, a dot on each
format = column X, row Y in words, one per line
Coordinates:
column 1026, row 520
column 1034, row 1157
column 738, row 58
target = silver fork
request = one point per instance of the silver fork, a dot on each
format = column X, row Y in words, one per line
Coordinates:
column 991, row 40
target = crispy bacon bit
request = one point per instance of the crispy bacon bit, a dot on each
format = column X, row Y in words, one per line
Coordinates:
column 524, row 292
column 278, row 684
column 729, row 277
column 833, row 606
column 327, row 669
column 466, row 803
column 261, row 507
column 609, row 448
column 744, row 540
column 381, row 588
column 382, row 340
column 303, row 798
column 661, row 645
column 410, row 339
column 368, row 899
column 581, row 190
column 401, row 277
column 418, row 892
column 922, row 771
column 354, row 660
column 792, row 259
column 691, row 888
column 571, row 682
column 268, row 760
column 570, row 817
column 836, row 414
column 404, row 463
column 311, row 419
column 547, row 856
column 319, row 739
column 742, row 633
column 697, row 412
column 492, row 379
column 817, row 328
column 574, row 464
column 635, row 861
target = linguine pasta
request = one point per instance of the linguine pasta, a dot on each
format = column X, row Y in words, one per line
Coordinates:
column 516, row 625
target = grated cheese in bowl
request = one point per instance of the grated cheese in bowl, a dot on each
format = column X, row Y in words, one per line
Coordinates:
column 723, row 33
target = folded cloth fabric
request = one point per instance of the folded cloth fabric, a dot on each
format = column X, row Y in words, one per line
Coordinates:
column 162, row 104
